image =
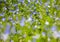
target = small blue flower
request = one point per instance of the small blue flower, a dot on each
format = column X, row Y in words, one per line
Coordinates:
column 3, row 19
column 22, row 22
column 7, row 31
column 53, row 28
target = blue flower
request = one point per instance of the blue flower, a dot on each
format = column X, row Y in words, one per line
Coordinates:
column 7, row 31
column 22, row 22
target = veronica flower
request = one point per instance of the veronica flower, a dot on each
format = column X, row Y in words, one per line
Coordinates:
column 21, row 1
column 43, row 33
column 37, row 1
column 53, row 28
column 22, row 21
column 7, row 31
column 1, row 14
column 3, row 19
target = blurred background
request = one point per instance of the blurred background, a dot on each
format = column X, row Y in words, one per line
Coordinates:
column 29, row 20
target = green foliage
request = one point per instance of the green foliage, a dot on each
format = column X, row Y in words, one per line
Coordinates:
column 39, row 18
